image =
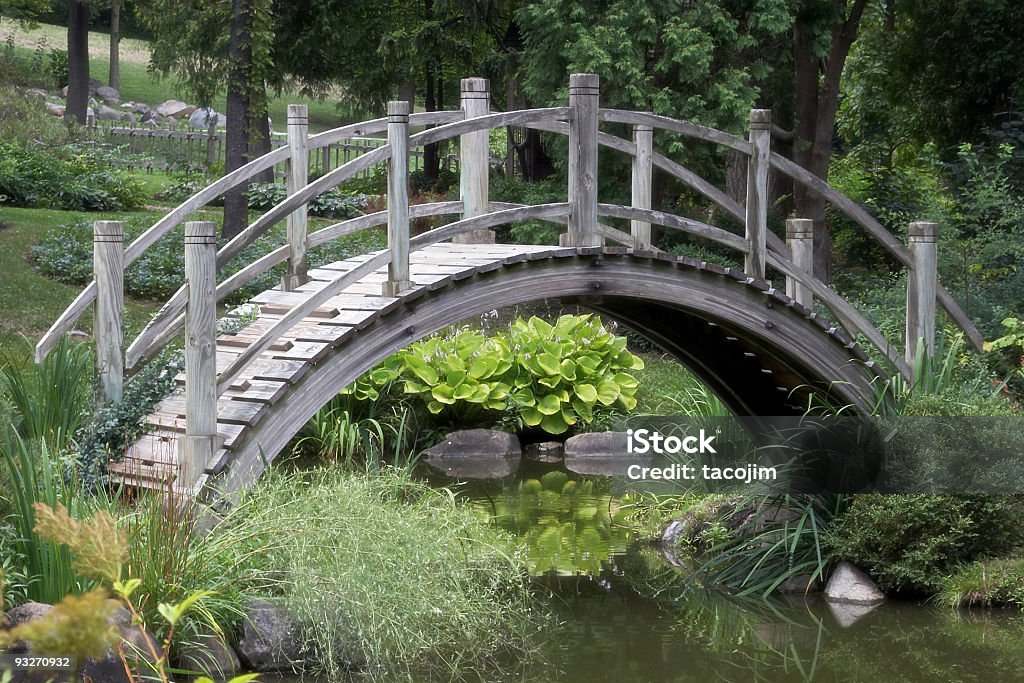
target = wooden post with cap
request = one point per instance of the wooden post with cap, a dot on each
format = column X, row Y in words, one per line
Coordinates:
column 108, row 327
column 757, row 192
column 584, row 92
column 922, row 281
column 398, row 199
column 298, row 220
column 474, row 160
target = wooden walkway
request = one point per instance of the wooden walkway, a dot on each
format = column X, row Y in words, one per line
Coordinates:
column 153, row 460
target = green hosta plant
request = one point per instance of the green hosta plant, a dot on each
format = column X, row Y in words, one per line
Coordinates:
column 549, row 375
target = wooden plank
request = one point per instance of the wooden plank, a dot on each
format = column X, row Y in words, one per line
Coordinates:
column 262, row 391
column 228, row 411
column 165, row 422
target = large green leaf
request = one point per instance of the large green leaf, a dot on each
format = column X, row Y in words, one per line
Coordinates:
column 549, row 405
column 586, row 392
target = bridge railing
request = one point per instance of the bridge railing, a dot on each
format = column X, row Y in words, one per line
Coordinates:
column 581, row 214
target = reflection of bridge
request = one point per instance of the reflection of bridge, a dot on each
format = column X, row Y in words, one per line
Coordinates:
column 246, row 394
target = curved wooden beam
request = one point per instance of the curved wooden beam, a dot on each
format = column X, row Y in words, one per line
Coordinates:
column 686, row 128
column 333, row 288
column 498, row 120
column 881, row 235
column 364, row 128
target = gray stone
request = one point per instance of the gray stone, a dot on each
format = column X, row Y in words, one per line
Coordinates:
column 105, row 92
column 202, row 118
column 476, row 443
column 847, row 614
column 597, row 445
column 209, row 656
column 137, row 645
column 36, row 92
column 851, row 585
column 29, row 611
column 473, row 467
column 106, row 113
column 270, row 638
column 173, row 108
column 55, row 109
column 800, row 584
column 129, row 117
column 547, row 452
column 142, row 109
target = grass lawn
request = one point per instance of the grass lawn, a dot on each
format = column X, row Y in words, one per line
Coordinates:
column 139, row 85
column 29, row 301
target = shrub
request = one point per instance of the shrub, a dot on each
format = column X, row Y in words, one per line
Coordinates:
column 988, row 583
column 331, row 204
column 72, row 180
column 23, row 71
column 541, row 375
column 25, row 122
column 911, row 542
column 388, row 572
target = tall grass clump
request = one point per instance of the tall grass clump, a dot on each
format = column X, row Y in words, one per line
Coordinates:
column 392, row 577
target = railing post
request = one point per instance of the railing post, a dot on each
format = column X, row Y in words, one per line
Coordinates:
column 922, row 282
column 474, row 160
column 583, row 104
column 757, row 191
column 643, row 138
column 200, row 440
column 298, row 176
column 108, row 268
column 800, row 239
column 398, row 198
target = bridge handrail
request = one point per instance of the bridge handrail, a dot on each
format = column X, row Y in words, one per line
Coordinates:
column 241, row 175
column 334, row 287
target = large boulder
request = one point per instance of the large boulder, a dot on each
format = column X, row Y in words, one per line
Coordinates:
column 106, row 93
column 848, row 584
column 137, row 645
column 55, row 109
column 477, row 443
column 545, row 452
column 202, row 118
column 173, row 108
column 210, row 656
column 30, row 611
column 105, row 113
column 271, row 640
column 601, row 453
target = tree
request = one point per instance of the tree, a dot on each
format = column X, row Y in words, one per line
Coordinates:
column 114, row 72
column 78, row 61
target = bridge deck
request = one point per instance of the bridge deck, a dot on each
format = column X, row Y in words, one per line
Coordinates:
column 152, row 461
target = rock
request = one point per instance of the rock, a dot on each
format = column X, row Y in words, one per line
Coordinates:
column 110, row 668
column 601, row 453
column 548, row 452
column 36, row 92
column 106, row 113
column 141, row 109
column 849, row 584
column 800, row 584
column 184, row 113
column 210, row 656
column 105, row 92
column 847, row 614
column 475, row 467
column 172, row 108
column 55, row 109
column 29, row 611
column 270, row 638
column 201, row 118
column 476, row 443
column 129, row 117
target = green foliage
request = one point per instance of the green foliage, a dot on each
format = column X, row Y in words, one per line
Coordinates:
column 514, row 191
column 57, row 67
column 986, row 583
column 22, row 71
column 65, row 255
column 911, row 542
column 543, row 375
column 72, row 179
column 25, row 122
column 331, row 204
column 385, row 571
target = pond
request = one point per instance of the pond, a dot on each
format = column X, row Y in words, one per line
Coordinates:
column 625, row 614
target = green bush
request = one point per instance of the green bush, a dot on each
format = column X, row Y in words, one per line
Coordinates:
column 57, row 65
column 65, row 255
column 541, row 375
column 988, row 583
column 23, row 71
column 24, row 121
column 71, row 179
column 389, row 573
column 331, row 204
column 911, row 542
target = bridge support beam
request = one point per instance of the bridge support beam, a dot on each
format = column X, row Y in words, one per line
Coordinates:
column 800, row 239
column 108, row 327
column 583, row 102
column 921, row 289
column 298, row 176
column 643, row 170
column 398, row 199
column 200, row 442
column 474, row 160
column 757, row 192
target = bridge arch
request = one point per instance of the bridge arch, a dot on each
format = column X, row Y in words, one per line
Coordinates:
column 762, row 354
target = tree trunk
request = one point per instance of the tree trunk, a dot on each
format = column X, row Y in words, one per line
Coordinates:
column 259, row 130
column 236, row 143
column 114, row 74
column 78, row 62
column 533, row 158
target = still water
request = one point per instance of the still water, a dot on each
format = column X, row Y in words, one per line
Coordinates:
column 626, row 615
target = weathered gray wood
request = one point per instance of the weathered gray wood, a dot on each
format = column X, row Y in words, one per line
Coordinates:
column 474, row 159
column 669, row 220
column 298, row 175
column 757, row 192
column 498, row 120
column 643, row 138
column 108, row 326
column 922, row 240
column 686, row 128
column 583, row 103
column 398, row 199
column 200, row 441
column 800, row 238
column 862, row 218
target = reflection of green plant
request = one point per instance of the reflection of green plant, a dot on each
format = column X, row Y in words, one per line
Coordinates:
column 551, row 376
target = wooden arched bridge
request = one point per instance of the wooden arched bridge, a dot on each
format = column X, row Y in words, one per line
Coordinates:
column 763, row 350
